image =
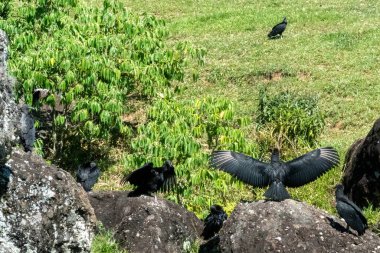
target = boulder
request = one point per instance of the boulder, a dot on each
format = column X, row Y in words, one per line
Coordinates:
column 44, row 210
column 9, row 113
column 146, row 224
column 361, row 177
column 290, row 226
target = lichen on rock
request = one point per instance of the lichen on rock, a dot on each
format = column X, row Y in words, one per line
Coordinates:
column 44, row 210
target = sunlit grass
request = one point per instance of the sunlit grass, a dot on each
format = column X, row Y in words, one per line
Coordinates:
column 104, row 243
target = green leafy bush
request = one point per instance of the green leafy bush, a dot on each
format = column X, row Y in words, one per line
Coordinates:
column 5, row 7
column 92, row 60
column 186, row 132
column 292, row 118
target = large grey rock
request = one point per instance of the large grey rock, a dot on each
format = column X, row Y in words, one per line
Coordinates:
column 361, row 177
column 143, row 224
column 44, row 210
column 290, row 226
column 9, row 114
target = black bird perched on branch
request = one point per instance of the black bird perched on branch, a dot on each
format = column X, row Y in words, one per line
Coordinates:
column 350, row 212
column 87, row 175
column 5, row 174
column 278, row 29
column 214, row 221
column 276, row 174
column 149, row 179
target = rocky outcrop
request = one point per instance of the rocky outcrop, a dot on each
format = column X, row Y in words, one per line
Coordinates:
column 290, row 226
column 143, row 224
column 361, row 178
column 44, row 210
column 9, row 114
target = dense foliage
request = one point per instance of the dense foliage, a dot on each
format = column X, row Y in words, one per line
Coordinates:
column 5, row 7
column 92, row 61
column 186, row 132
column 293, row 119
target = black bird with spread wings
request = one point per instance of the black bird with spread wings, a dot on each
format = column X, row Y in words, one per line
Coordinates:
column 214, row 221
column 87, row 175
column 350, row 212
column 276, row 174
column 278, row 29
column 149, row 179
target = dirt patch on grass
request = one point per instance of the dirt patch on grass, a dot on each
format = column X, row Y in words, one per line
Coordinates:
column 338, row 126
column 135, row 118
column 275, row 76
column 304, row 76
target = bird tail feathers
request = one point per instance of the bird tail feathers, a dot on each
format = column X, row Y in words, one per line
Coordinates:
column 277, row 192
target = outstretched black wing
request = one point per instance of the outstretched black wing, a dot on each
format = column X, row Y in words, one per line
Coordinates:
column 169, row 177
column 243, row 167
column 310, row 166
column 139, row 176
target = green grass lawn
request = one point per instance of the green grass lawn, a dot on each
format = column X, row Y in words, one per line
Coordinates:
column 329, row 50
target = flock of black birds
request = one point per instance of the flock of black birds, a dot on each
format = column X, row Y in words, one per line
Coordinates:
column 276, row 174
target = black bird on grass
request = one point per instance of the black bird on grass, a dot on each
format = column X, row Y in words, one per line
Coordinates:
column 278, row 29
column 87, row 175
column 5, row 174
column 149, row 179
column 277, row 174
column 350, row 212
column 214, row 221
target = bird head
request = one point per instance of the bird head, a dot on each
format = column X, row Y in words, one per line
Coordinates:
column 168, row 165
column 284, row 21
column 275, row 155
column 216, row 209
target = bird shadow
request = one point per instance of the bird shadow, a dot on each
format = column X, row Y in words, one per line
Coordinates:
column 338, row 227
column 275, row 37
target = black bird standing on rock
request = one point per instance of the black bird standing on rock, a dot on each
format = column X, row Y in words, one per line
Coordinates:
column 87, row 175
column 214, row 221
column 5, row 174
column 276, row 174
column 149, row 179
column 278, row 29
column 350, row 212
